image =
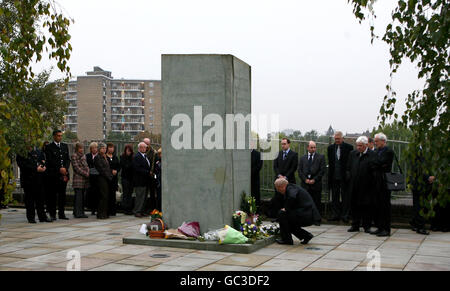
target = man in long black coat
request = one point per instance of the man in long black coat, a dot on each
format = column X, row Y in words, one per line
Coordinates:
column 382, row 164
column 337, row 160
column 58, row 162
column 32, row 179
column 361, row 185
column 298, row 211
column 257, row 164
column 141, row 179
column 284, row 166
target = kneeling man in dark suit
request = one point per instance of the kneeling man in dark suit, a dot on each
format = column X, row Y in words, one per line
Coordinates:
column 299, row 211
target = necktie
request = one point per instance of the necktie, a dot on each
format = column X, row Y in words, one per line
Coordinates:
column 310, row 160
column 284, row 156
column 338, row 153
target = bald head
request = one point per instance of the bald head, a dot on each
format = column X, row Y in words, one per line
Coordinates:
column 281, row 184
column 146, row 141
column 312, row 147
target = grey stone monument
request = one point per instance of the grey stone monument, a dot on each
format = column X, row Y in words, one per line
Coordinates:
column 199, row 183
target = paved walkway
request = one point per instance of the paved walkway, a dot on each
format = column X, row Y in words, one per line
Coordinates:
column 44, row 246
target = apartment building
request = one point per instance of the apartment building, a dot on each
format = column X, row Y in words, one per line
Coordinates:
column 98, row 104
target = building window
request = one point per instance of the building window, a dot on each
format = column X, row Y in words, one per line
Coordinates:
column 151, row 100
column 151, row 84
column 151, row 93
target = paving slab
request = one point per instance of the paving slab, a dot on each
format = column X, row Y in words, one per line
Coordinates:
column 118, row 267
column 244, row 260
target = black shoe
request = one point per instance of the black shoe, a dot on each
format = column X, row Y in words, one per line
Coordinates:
column 282, row 242
column 367, row 230
column 32, row 221
column 46, row 219
column 345, row 220
column 81, row 216
column 422, row 231
column 353, row 229
column 377, row 231
column 63, row 217
column 334, row 219
column 307, row 239
column 384, row 233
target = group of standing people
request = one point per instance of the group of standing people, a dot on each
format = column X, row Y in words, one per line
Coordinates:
column 44, row 175
column 356, row 179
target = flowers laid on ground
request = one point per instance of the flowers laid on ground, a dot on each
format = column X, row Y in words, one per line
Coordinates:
column 241, row 215
column 248, row 204
column 270, row 229
column 156, row 214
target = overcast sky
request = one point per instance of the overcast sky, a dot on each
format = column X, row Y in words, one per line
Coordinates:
column 312, row 62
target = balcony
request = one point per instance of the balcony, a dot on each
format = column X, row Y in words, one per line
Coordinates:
column 127, row 86
column 126, row 113
column 128, row 120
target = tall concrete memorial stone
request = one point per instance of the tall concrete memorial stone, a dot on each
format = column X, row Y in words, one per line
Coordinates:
column 206, row 100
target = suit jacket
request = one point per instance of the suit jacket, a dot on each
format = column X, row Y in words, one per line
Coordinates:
column 331, row 152
column 141, row 167
column 102, row 166
column 90, row 162
column 152, row 157
column 381, row 164
column 257, row 164
column 287, row 167
column 317, row 170
column 126, row 164
column 360, row 177
column 29, row 176
column 299, row 205
column 56, row 158
column 114, row 164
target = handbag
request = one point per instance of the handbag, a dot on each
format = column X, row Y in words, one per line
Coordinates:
column 395, row 181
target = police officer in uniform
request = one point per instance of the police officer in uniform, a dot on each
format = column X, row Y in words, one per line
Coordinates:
column 58, row 162
column 32, row 169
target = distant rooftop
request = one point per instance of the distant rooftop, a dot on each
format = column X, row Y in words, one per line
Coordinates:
column 99, row 71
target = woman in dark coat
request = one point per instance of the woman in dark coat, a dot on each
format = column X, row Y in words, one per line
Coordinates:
column 114, row 165
column 104, row 179
column 126, row 164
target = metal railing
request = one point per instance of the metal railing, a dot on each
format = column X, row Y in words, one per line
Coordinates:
column 267, row 174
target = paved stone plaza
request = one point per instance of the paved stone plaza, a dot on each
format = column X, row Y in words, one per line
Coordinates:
column 44, row 246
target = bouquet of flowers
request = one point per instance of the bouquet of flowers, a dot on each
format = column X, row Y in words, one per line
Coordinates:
column 270, row 229
column 241, row 215
column 248, row 204
column 251, row 231
column 156, row 214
